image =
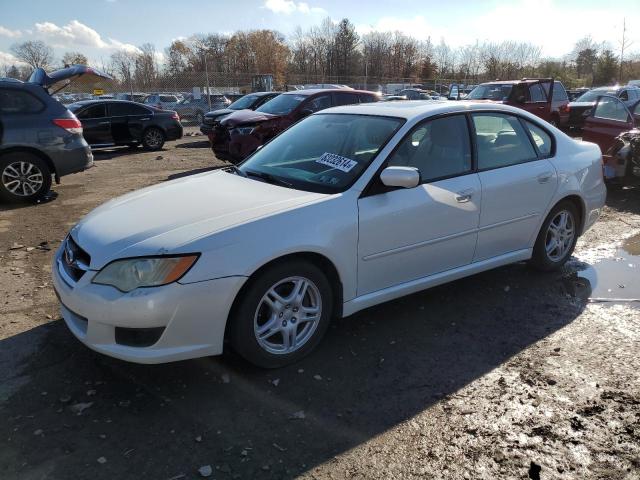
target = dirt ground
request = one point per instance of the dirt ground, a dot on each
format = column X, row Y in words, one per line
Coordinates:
column 507, row 374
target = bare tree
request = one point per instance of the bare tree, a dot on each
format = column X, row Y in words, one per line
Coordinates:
column 74, row 58
column 35, row 53
column 124, row 64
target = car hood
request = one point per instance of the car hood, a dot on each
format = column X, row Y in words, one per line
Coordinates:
column 166, row 218
column 219, row 112
column 40, row 77
column 241, row 117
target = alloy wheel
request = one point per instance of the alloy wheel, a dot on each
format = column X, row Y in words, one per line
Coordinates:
column 288, row 315
column 22, row 178
column 560, row 235
column 153, row 138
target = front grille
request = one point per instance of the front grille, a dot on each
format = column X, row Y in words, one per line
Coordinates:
column 75, row 260
column 138, row 337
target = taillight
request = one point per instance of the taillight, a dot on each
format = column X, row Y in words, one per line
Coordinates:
column 175, row 116
column 71, row 125
column 565, row 108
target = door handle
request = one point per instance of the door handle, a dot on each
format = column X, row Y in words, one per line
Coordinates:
column 147, row 118
column 544, row 177
column 104, row 123
column 464, row 196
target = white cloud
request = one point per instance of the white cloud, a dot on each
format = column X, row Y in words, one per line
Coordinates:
column 416, row 27
column 76, row 34
column 8, row 59
column 6, row 32
column 290, row 6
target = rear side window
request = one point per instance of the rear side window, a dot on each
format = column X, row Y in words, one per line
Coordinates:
column 438, row 148
column 168, row 98
column 94, row 111
column 343, row 98
column 624, row 95
column 501, row 141
column 18, row 101
column 320, row 103
column 559, row 93
column 122, row 109
column 541, row 138
column 536, row 94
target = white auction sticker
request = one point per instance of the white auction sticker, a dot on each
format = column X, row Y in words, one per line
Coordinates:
column 336, row 161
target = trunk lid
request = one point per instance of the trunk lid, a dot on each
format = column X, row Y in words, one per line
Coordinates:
column 67, row 74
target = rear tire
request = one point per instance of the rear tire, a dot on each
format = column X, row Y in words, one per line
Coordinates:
column 24, row 177
column 153, row 139
column 199, row 118
column 271, row 326
column 557, row 238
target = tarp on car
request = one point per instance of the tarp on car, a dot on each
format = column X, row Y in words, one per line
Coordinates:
column 40, row 77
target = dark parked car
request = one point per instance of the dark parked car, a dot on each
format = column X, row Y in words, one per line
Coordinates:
column 581, row 107
column 544, row 97
column 414, row 94
column 163, row 101
column 609, row 118
column 239, row 134
column 191, row 108
column 108, row 123
column 39, row 137
column 247, row 102
column 133, row 97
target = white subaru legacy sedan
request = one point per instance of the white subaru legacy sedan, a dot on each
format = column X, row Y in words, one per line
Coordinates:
column 348, row 208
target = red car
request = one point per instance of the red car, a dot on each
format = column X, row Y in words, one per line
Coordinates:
column 544, row 97
column 238, row 135
column 608, row 119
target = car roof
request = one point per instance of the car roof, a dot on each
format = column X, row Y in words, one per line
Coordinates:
column 313, row 91
column 420, row 108
column 106, row 100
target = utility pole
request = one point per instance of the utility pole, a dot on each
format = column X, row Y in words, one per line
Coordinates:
column 206, row 73
column 623, row 46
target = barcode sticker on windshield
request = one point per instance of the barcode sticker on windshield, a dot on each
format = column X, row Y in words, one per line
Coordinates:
column 336, row 161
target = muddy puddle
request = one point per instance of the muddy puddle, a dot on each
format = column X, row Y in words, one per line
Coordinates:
column 615, row 279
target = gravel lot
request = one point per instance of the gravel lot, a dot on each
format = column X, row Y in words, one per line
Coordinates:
column 507, row 374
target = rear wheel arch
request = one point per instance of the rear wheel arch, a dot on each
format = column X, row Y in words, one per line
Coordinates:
column 578, row 202
column 33, row 151
column 316, row 259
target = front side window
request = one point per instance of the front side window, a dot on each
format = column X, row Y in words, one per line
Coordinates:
column 501, row 141
column 437, row 148
column 168, row 98
column 17, row 101
column 94, row 111
column 322, row 153
column 122, row 109
column 319, row 103
column 536, row 94
column 343, row 98
column 244, row 102
column 282, row 104
column 624, row 95
column 610, row 108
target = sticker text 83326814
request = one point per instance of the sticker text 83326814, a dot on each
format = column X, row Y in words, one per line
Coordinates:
column 336, row 161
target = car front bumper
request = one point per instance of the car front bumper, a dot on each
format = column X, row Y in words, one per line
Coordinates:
column 192, row 317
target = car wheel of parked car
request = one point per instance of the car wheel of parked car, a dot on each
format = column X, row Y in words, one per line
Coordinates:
column 282, row 314
column 24, row 177
column 199, row 118
column 153, row 138
column 557, row 237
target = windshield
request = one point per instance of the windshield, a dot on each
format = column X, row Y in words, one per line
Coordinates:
column 282, row 104
column 244, row 102
column 490, row 91
column 324, row 153
column 592, row 95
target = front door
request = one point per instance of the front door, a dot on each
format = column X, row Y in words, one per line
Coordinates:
column 518, row 182
column 407, row 234
column 608, row 119
column 96, row 126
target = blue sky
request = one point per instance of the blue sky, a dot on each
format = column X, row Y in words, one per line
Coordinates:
column 98, row 27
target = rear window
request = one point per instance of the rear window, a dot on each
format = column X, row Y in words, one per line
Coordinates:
column 559, row 93
column 18, row 101
column 490, row 91
column 121, row 109
column 282, row 104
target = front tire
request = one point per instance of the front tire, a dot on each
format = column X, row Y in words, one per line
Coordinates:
column 24, row 177
column 282, row 314
column 199, row 118
column 557, row 238
column 153, row 139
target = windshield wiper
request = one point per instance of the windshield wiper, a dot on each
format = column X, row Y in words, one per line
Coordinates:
column 267, row 177
column 234, row 169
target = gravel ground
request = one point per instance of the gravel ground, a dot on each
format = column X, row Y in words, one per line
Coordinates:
column 507, row 374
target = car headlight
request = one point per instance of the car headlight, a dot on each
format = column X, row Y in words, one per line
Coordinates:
column 128, row 274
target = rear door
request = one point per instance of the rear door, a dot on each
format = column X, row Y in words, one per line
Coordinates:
column 518, row 181
column 96, row 125
column 537, row 101
column 345, row 98
column 608, row 119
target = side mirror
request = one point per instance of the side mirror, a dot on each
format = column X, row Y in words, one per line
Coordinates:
column 305, row 113
column 404, row 177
